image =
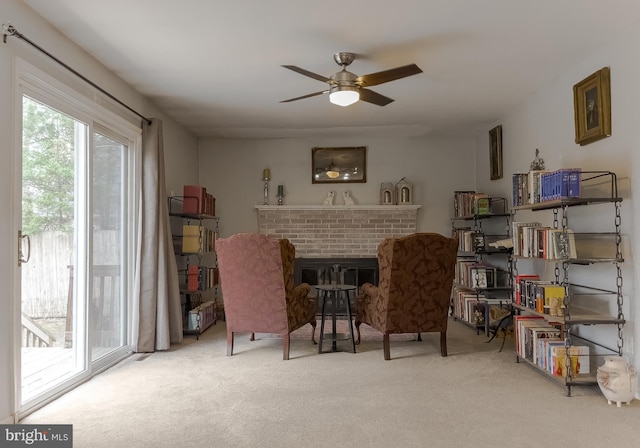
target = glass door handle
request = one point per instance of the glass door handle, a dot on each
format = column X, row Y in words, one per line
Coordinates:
column 21, row 239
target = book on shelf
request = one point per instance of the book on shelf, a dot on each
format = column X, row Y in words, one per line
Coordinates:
column 464, row 304
column 469, row 240
column 564, row 244
column 193, row 199
column 528, row 334
column 554, row 300
column 517, row 235
column 518, row 322
column 482, row 277
column 569, row 183
column 535, row 294
column 506, row 243
column 191, row 238
column 201, row 316
column 520, row 185
column 519, row 286
column 462, row 202
column 462, row 269
column 547, row 344
column 193, row 277
column 197, row 239
column 534, row 186
column 197, row 201
column 538, row 335
column 471, row 203
column 561, row 184
column 481, row 204
column 474, row 274
column 579, row 355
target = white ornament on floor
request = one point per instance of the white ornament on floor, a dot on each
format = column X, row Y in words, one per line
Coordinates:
column 329, row 199
column 348, row 200
column 617, row 380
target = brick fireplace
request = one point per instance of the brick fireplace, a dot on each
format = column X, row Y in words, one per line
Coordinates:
column 339, row 231
column 326, row 236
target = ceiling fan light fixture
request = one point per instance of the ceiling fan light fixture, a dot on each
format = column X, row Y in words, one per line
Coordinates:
column 344, row 95
column 332, row 174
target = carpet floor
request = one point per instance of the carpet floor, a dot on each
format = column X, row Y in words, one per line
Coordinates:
column 194, row 396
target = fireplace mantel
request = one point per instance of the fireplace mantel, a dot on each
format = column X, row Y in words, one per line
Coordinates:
column 337, row 231
column 337, row 207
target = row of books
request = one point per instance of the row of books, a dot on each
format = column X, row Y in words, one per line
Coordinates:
column 540, row 295
column 531, row 239
column 469, row 240
column 195, row 239
column 542, row 344
column 467, row 306
column 201, row 317
column 201, row 278
column 544, row 185
column 197, row 201
column 474, row 274
column 470, row 203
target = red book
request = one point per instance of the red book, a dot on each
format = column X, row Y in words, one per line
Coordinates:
column 193, row 274
column 517, row 285
column 194, row 199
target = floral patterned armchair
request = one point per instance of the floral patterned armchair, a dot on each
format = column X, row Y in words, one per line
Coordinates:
column 256, row 277
column 413, row 295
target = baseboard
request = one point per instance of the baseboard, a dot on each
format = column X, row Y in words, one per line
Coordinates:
column 10, row 420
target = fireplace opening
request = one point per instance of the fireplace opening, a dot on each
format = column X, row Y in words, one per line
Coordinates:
column 326, row 271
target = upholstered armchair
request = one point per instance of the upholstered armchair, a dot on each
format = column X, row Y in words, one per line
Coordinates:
column 414, row 290
column 256, row 277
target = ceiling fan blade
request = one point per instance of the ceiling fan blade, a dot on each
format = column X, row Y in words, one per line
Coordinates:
column 373, row 79
column 307, row 73
column 374, row 98
column 304, row 96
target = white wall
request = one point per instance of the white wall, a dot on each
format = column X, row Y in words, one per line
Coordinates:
column 546, row 121
column 180, row 148
column 231, row 170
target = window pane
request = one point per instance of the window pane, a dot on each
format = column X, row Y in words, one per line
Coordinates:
column 107, row 320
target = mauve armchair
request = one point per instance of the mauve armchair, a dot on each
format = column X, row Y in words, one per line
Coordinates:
column 414, row 290
column 256, row 277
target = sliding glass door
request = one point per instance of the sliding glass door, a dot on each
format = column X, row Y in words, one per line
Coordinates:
column 51, row 150
column 73, row 240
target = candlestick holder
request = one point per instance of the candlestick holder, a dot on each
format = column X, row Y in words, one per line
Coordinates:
column 280, row 194
column 266, row 191
column 266, row 177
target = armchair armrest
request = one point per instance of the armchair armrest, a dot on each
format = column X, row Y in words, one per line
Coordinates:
column 300, row 293
column 369, row 290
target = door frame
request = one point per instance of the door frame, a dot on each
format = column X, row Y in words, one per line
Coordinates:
column 43, row 87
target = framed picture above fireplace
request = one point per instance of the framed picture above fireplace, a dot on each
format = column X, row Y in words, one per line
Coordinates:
column 339, row 165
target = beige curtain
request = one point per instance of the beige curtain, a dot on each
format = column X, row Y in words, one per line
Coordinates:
column 157, row 321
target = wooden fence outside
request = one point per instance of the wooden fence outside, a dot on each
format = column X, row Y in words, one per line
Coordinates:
column 46, row 277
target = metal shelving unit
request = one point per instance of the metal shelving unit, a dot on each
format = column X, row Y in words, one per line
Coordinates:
column 498, row 294
column 576, row 296
column 203, row 311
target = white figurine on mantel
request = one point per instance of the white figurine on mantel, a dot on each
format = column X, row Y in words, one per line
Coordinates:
column 348, row 200
column 329, row 199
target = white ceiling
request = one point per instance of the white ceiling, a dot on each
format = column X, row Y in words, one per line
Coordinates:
column 215, row 65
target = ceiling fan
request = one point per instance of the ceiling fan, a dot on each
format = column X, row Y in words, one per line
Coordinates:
column 346, row 88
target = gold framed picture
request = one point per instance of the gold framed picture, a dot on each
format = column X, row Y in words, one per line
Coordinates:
column 592, row 107
column 339, row 165
column 495, row 152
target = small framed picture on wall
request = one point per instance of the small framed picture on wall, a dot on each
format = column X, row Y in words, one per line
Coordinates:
column 495, row 152
column 592, row 107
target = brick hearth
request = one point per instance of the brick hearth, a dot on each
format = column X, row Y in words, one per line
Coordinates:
column 341, row 231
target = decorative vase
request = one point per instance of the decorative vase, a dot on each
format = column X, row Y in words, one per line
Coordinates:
column 617, row 380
